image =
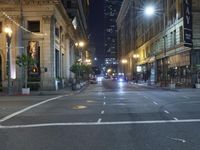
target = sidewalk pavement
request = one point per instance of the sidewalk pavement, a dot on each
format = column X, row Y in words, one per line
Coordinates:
column 64, row 91
column 177, row 89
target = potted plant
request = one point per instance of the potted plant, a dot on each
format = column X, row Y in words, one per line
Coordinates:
column 24, row 62
column 76, row 68
column 81, row 72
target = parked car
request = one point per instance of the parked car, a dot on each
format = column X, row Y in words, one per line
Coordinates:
column 93, row 81
column 114, row 78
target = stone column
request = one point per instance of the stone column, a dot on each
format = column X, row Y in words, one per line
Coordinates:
column 47, row 54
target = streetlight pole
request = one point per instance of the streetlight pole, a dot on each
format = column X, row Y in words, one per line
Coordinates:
column 136, row 57
column 79, row 45
column 8, row 32
column 124, row 61
column 149, row 11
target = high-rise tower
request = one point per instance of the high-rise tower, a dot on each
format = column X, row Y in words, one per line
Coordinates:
column 111, row 10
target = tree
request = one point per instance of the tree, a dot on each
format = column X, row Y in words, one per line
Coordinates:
column 80, row 70
column 24, row 62
column 75, row 68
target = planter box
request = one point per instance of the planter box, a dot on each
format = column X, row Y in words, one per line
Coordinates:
column 25, row 91
column 78, row 86
column 172, row 85
column 197, row 85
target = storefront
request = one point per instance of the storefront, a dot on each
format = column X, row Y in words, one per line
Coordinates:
column 0, row 73
column 175, row 69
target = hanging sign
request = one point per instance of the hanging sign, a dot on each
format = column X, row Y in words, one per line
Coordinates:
column 187, row 22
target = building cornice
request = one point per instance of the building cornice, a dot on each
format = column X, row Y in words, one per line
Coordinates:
column 123, row 11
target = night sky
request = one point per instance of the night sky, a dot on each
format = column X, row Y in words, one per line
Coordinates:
column 96, row 28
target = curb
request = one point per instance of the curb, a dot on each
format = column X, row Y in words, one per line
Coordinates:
column 154, row 87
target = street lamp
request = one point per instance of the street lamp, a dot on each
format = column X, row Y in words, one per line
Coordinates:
column 136, row 57
column 149, row 10
column 79, row 45
column 109, row 71
column 88, row 61
column 123, row 61
column 8, row 32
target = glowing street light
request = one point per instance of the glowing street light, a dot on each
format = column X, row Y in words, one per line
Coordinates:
column 136, row 56
column 109, row 70
column 149, row 10
column 80, row 44
column 124, row 61
column 88, row 61
column 8, row 32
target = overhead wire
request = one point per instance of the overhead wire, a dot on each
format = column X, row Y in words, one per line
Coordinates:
column 22, row 27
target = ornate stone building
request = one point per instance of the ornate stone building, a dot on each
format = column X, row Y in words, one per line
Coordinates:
column 167, row 43
column 43, row 30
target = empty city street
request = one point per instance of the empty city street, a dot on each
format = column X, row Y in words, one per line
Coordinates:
column 106, row 116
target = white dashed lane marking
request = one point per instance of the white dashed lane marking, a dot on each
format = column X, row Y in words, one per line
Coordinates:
column 166, row 111
column 186, row 97
column 99, row 120
column 155, row 103
column 102, row 112
column 175, row 118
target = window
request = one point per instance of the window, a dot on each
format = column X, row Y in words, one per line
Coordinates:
column 69, row 4
column 57, row 64
column 62, row 65
column 34, row 26
column 63, row 38
column 0, row 27
column 181, row 33
column 57, row 32
column 171, row 39
column 174, row 37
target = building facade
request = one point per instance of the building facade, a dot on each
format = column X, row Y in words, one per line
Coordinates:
column 111, row 10
column 43, row 30
column 167, row 43
column 125, row 37
column 77, row 11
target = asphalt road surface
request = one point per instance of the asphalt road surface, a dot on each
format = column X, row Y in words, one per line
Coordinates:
column 105, row 116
